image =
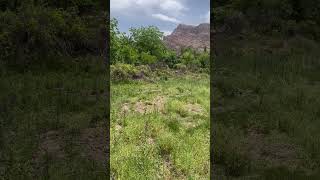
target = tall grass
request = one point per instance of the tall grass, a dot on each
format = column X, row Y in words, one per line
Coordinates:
column 169, row 144
column 269, row 99
column 33, row 103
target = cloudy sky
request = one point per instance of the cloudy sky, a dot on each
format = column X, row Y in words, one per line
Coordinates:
column 165, row 14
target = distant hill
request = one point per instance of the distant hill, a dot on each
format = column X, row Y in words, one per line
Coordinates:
column 195, row 37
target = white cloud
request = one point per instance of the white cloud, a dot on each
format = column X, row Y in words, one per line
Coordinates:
column 166, row 33
column 173, row 8
column 146, row 3
column 118, row 5
column 166, row 18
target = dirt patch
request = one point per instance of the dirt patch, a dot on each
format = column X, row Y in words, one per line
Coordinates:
column 168, row 167
column 146, row 107
column 150, row 141
column 118, row 127
column 159, row 103
column 92, row 141
column 51, row 145
column 95, row 140
column 276, row 153
column 140, row 107
column 194, row 108
column 190, row 124
column 125, row 109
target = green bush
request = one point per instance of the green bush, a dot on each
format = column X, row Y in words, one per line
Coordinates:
column 145, row 69
column 34, row 34
column 204, row 59
column 146, row 58
column 122, row 72
column 170, row 58
column 180, row 67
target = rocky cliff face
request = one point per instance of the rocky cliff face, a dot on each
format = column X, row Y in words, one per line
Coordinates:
column 195, row 37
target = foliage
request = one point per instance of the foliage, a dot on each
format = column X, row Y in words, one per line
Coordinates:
column 114, row 41
column 122, row 72
column 34, row 34
column 144, row 69
column 170, row 58
column 180, row 66
column 82, row 5
column 148, row 40
column 204, row 59
column 146, row 58
column 267, row 16
column 144, row 46
column 128, row 54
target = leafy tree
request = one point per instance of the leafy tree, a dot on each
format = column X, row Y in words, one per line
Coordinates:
column 127, row 53
column 114, row 41
column 146, row 58
column 149, row 40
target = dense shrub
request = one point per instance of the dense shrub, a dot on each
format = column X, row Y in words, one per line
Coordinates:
column 204, row 59
column 146, row 58
column 145, row 70
column 170, row 58
column 180, row 67
column 266, row 16
column 35, row 33
column 122, row 72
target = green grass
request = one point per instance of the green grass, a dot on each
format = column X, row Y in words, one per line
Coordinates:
column 36, row 103
column 170, row 140
column 266, row 110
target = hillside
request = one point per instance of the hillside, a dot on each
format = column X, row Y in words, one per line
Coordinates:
column 196, row 37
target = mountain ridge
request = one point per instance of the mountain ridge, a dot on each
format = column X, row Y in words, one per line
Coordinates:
column 189, row 36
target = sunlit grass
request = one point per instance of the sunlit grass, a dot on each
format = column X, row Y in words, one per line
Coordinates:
column 171, row 142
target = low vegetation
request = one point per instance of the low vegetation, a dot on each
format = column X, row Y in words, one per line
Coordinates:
column 159, row 108
column 161, row 129
column 266, row 109
column 266, row 90
column 52, row 90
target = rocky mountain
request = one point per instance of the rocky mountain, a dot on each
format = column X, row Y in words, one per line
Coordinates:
column 195, row 37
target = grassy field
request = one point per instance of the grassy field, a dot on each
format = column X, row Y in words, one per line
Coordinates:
column 266, row 111
column 53, row 122
column 160, row 130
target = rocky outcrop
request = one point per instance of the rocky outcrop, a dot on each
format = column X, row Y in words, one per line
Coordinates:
column 184, row 36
